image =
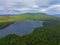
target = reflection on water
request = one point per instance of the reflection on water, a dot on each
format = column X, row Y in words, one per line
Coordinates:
column 20, row 28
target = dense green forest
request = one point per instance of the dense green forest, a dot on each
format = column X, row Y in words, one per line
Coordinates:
column 48, row 34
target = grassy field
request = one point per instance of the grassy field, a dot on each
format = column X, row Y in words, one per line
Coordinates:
column 27, row 16
column 7, row 18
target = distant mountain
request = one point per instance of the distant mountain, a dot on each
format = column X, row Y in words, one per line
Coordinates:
column 57, row 15
column 8, row 14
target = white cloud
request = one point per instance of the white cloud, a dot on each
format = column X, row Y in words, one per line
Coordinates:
column 53, row 9
column 53, row 6
column 24, row 9
column 35, row 6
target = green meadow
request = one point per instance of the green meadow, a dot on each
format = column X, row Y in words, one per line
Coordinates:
column 27, row 16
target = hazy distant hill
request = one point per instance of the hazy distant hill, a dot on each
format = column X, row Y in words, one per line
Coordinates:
column 57, row 15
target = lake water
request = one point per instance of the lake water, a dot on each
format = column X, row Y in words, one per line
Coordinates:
column 21, row 28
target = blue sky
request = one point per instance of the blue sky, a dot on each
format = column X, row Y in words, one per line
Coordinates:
column 25, row 6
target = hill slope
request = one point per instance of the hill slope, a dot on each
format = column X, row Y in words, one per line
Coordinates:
column 27, row 16
column 7, row 20
column 36, row 16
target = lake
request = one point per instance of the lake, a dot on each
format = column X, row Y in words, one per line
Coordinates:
column 21, row 28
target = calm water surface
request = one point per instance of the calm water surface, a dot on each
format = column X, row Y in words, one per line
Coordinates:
column 21, row 28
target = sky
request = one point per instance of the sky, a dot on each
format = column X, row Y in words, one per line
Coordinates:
column 29, row 6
